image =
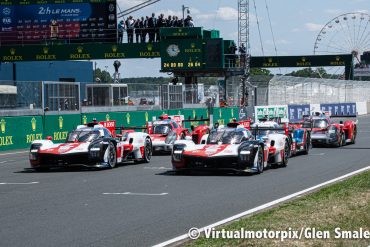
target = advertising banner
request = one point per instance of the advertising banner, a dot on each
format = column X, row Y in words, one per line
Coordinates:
column 35, row 22
column 340, row 108
column 297, row 111
column 271, row 111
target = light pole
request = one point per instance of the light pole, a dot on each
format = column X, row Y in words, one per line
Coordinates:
column 183, row 14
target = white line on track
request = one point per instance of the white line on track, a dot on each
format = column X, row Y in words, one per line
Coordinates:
column 6, row 161
column 21, row 152
column 136, row 194
column 19, row 183
column 264, row 206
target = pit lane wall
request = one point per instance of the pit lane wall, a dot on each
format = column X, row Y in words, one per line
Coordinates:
column 19, row 131
column 295, row 112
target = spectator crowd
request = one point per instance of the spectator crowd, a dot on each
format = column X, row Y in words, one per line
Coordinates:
column 147, row 29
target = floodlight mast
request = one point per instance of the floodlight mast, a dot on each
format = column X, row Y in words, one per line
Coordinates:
column 243, row 38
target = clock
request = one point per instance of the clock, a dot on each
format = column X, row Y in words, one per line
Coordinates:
column 173, row 50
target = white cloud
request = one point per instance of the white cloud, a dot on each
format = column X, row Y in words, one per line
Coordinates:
column 365, row 11
column 227, row 13
column 313, row 27
column 295, row 30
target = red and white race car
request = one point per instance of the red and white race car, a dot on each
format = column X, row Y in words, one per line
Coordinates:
column 165, row 131
column 230, row 148
column 276, row 139
column 92, row 145
column 336, row 130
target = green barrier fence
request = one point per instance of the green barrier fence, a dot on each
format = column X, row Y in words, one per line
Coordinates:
column 19, row 132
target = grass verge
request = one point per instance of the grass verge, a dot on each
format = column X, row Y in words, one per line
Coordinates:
column 345, row 205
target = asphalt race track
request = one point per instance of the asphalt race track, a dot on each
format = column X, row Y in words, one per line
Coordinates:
column 146, row 204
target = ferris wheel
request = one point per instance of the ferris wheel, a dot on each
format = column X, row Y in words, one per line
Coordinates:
column 345, row 34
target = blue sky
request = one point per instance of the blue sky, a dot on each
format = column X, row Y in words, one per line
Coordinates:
column 295, row 23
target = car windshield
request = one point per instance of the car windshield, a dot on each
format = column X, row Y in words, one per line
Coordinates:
column 225, row 136
column 320, row 123
column 82, row 136
column 162, row 129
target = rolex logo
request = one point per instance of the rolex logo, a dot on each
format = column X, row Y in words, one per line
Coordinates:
column 45, row 50
column 180, row 30
column 60, row 122
column 270, row 60
column 149, row 47
column 33, row 124
column 12, row 51
column 337, row 58
column 80, row 49
column 114, row 48
column 303, row 59
column 107, row 117
column 192, row 45
column 2, row 124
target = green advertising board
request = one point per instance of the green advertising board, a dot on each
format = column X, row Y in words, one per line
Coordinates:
column 60, row 52
column 58, row 126
column 19, row 132
column 271, row 111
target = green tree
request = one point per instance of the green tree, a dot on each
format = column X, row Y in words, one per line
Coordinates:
column 309, row 72
column 104, row 76
column 260, row 71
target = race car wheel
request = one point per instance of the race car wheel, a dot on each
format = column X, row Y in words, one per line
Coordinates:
column 112, row 155
column 307, row 145
column 353, row 140
column 147, row 151
column 260, row 160
column 343, row 139
column 284, row 163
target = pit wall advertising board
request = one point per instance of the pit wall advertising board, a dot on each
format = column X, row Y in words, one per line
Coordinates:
column 340, row 108
column 271, row 111
column 19, row 132
column 297, row 111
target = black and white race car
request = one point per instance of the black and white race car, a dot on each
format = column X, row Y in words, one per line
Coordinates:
column 92, row 145
column 226, row 148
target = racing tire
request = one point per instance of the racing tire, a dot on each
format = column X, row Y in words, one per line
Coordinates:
column 286, row 156
column 342, row 140
column 353, row 140
column 148, row 151
column 307, row 145
column 260, row 165
column 112, row 156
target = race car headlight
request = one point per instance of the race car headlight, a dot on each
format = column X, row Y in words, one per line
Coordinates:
column 177, row 152
column 171, row 138
column 244, row 154
column 94, row 150
column 34, row 150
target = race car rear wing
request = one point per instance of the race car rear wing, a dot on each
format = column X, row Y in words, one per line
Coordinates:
column 255, row 130
column 122, row 128
column 343, row 118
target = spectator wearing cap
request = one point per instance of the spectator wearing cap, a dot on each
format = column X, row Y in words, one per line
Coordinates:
column 121, row 29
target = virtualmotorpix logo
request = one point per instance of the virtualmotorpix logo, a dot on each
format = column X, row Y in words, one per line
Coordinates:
column 282, row 235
